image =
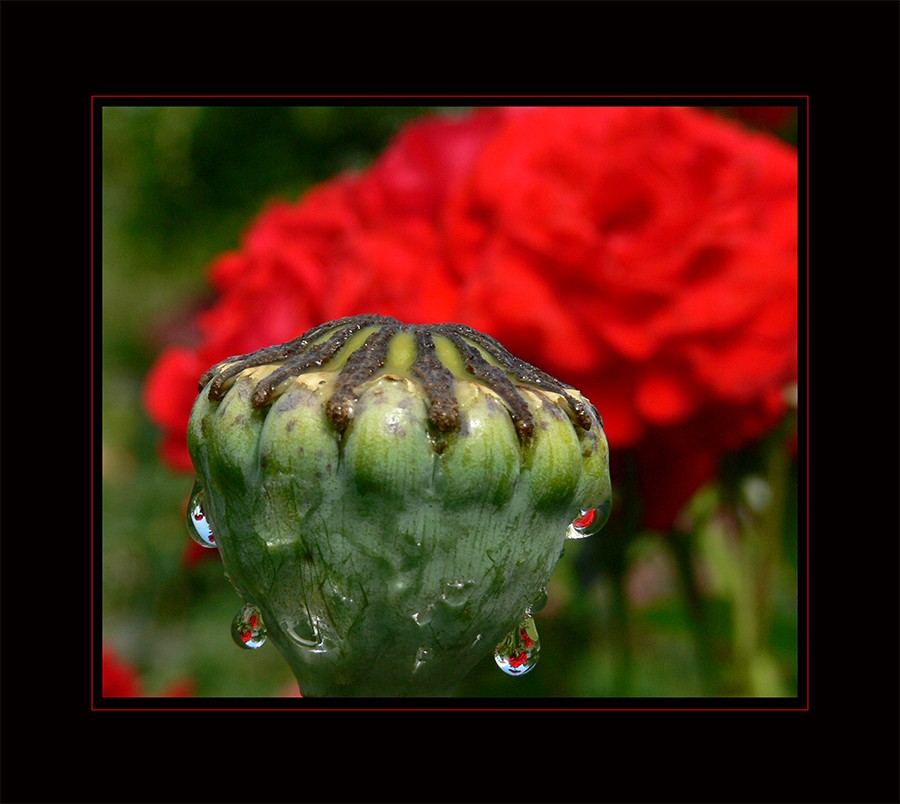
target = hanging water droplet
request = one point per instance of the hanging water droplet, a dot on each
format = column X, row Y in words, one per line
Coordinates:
column 422, row 655
column 518, row 653
column 198, row 523
column 425, row 616
column 247, row 628
column 589, row 522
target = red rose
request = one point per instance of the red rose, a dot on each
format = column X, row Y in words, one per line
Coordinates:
column 646, row 255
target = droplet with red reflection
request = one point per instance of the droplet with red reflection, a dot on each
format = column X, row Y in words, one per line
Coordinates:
column 198, row 524
column 518, row 653
column 589, row 522
column 247, row 629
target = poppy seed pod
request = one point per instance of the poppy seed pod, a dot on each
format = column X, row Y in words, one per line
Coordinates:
column 390, row 500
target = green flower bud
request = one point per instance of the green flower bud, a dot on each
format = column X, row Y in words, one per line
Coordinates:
column 390, row 500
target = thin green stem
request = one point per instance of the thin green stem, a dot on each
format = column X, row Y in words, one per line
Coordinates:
column 682, row 545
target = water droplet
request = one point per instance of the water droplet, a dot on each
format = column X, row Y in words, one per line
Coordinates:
column 518, row 653
column 457, row 592
column 198, row 523
column 247, row 628
column 306, row 633
column 425, row 616
column 589, row 522
column 422, row 656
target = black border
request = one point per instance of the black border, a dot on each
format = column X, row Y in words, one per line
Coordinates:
column 842, row 55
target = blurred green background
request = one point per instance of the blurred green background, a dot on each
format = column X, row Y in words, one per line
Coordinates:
column 630, row 613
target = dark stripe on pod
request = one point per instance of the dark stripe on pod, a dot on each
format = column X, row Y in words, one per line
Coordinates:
column 437, row 381
column 312, row 357
column 360, row 366
column 496, row 379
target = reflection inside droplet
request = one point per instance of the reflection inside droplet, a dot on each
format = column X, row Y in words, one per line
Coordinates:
column 589, row 522
column 247, row 628
column 198, row 524
column 518, row 653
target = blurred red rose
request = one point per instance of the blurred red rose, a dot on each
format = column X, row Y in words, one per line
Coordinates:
column 121, row 680
column 646, row 255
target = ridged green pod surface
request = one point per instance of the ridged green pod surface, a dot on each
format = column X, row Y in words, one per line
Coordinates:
column 390, row 500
